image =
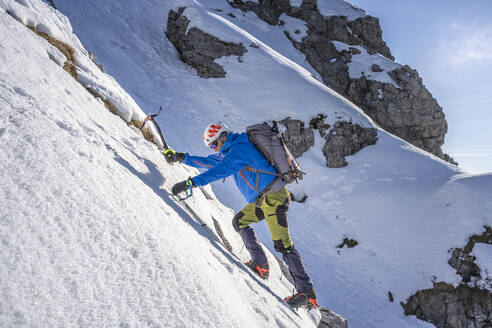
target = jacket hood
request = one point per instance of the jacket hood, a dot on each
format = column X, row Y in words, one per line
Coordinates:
column 232, row 140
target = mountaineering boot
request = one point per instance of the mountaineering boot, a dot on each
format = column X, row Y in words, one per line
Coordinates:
column 303, row 300
column 263, row 270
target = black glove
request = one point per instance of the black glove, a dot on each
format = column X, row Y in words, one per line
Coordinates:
column 182, row 186
column 172, row 157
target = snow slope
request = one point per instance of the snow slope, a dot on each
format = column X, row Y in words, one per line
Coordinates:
column 406, row 208
column 90, row 235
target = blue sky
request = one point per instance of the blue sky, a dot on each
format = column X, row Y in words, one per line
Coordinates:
column 450, row 45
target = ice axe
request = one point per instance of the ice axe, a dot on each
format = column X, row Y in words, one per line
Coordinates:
column 151, row 118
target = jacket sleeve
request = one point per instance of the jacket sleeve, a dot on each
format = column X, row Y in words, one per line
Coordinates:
column 202, row 162
column 231, row 164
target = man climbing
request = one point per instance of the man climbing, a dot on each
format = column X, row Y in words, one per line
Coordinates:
column 233, row 153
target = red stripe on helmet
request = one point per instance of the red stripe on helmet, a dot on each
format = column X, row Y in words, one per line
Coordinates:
column 213, row 130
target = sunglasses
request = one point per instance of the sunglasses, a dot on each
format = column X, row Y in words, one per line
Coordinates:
column 214, row 144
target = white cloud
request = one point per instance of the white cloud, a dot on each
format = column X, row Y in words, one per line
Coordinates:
column 467, row 43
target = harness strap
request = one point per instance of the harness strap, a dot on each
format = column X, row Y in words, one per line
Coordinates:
column 257, row 180
column 267, row 188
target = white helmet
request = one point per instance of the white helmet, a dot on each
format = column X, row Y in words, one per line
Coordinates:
column 213, row 132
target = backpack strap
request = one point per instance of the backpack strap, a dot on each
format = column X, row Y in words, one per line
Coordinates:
column 252, row 169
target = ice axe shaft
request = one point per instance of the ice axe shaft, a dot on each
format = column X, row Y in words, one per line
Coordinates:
column 151, row 118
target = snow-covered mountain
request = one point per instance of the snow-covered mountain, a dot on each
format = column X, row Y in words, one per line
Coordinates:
column 90, row 235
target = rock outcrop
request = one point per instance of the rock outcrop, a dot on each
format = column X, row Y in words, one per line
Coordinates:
column 467, row 305
column 408, row 111
column 464, row 263
column 297, row 138
column 345, row 139
column 267, row 10
column 197, row 48
column 330, row 319
column 447, row 306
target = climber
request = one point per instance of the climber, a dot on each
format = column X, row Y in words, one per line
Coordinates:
column 234, row 152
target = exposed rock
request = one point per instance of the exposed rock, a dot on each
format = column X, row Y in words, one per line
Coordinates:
column 467, row 305
column 376, row 68
column 364, row 31
column 483, row 238
column 197, row 48
column 325, row 59
column 294, row 42
column 330, row 319
column 464, row 265
column 350, row 243
column 318, row 123
column 463, row 262
column 345, row 139
column 267, row 10
column 409, row 112
column 368, row 30
column 447, row 306
column 354, row 51
column 298, row 138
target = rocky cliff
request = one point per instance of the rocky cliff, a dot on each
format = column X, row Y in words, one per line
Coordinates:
column 399, row 102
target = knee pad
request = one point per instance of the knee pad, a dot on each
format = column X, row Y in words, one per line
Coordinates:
column 281, row 213
column 235, row 221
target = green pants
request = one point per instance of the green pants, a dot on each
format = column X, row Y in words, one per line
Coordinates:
column 273, row 209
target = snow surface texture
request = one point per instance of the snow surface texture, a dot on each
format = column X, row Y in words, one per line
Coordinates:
column 52, row 22
column 297, row 28
column 339, row 8
column 296, row 3
column 98, row 239
column 360, row 65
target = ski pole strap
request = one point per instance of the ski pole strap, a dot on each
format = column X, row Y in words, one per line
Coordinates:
column 188, row 192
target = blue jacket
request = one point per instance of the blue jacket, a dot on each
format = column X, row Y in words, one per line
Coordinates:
column 236, row 153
